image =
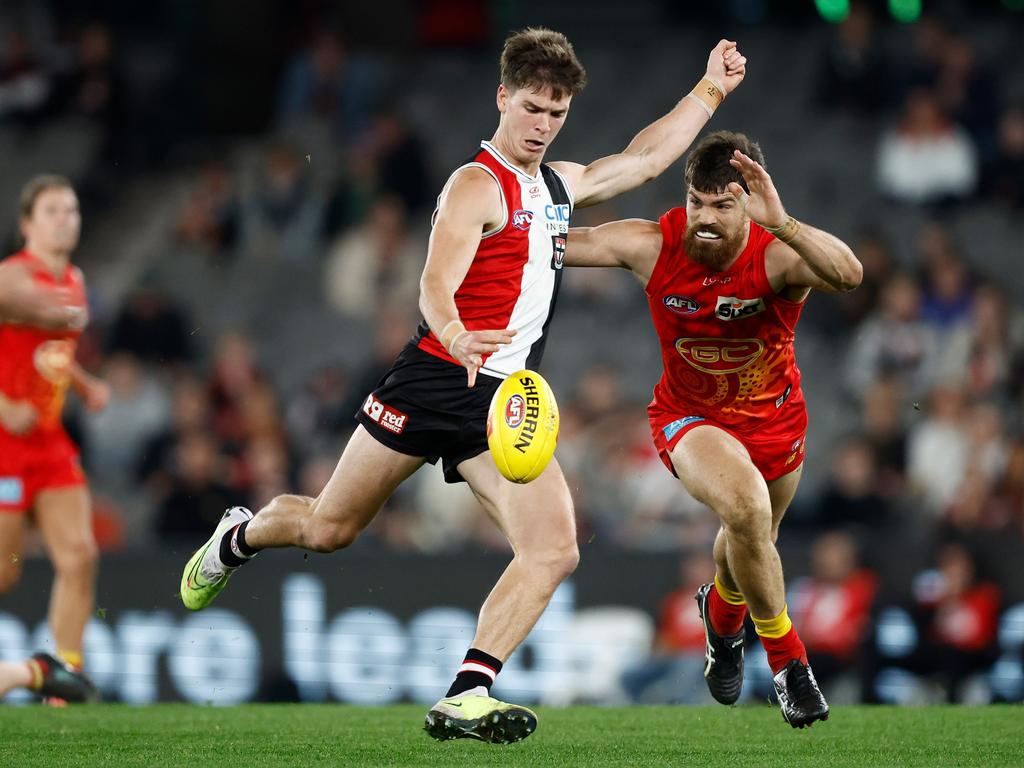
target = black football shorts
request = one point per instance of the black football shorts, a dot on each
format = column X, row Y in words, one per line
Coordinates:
column 422, row 407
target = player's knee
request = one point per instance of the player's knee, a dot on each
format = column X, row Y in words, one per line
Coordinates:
column 555, row 562
column 10, row 574
column 746, row 513
column 325, row 536
column 77, row 559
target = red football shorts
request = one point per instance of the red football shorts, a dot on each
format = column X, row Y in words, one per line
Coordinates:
column 776, row 448
column 35, row 463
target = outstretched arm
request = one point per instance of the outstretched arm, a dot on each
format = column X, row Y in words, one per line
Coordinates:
column 803, row 256
column 661, row 143
column 632, row 244
column 24, row 301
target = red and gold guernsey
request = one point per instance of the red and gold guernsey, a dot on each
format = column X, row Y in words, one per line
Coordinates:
column 35, row 363
column 726, row 341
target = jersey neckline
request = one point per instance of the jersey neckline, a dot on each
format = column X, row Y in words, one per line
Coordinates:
column 508, row 163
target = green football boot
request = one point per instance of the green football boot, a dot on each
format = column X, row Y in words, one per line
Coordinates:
column 205, row 575
column 471, row 716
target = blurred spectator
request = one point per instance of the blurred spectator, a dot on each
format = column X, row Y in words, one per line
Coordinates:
column 320, row 415
column 197, row 497
column 401, row 162
column 968, row 93
column 190, row 412
column 137, row 411
column 884, row 428
column 832, row 607
column 855, row 73
column 233, row 374
column 282, row 217
column 937, row 453
column 1003, row 176
column 674, row 674
column 958, row 615
column 840, row 313
column 264, row 470
column 947, row 282
column 980, row 354
column 392, row 331
column 152, row 328
column 926, row 158
column 893, row 341
column 209, row 220
column 25, row 84
column 324, row 83
column 851, row 497
column 377, row 262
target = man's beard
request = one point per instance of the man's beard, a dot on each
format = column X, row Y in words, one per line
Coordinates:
column 713, row 254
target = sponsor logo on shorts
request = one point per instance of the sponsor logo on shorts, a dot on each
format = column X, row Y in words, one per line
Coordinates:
column 719, row 356
column 671, row 430
column 12, row 491
column 390, row 418
column 515, row 411
column 731, row 308
column 522, row 219
column 680, row 305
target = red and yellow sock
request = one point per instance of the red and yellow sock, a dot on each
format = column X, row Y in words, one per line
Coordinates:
column 780, row 640
column 726, row 609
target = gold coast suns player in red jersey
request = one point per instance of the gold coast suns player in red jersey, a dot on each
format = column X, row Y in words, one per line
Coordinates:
column 726, row 277
column 42, row 314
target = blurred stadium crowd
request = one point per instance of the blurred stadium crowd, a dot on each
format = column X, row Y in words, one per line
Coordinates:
column 252, row 279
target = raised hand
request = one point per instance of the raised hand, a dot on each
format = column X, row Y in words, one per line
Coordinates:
column 726, row 65
column 763, row 205
column 469, row 347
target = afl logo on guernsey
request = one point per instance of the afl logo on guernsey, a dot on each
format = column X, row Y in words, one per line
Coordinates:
column 680, row 305
column 515, row 411
column 522, row 219
column 719, row 356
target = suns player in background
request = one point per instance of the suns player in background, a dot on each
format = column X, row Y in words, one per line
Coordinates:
column 726, row 277
column 42, row 314
column 487, row 294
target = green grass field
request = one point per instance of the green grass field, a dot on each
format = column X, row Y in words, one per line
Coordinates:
column 314, row 735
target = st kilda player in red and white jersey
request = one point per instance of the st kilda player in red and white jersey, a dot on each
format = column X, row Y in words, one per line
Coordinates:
column 726, row 277
column 487, row 295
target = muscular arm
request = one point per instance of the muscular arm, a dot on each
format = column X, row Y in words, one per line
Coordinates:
column 24, row 301
column 817, row 259
column 632, row 244
column 470, row 206
column 811, row 258
column 658, row 145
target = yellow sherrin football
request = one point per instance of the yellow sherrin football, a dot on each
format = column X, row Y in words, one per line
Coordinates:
column 522, row 426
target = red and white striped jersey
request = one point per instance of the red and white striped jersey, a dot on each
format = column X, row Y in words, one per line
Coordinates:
column 514, row 278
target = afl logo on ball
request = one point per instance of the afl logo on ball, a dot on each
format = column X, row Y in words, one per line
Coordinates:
column 681, row 305
column 522, row 219
column 515, row 410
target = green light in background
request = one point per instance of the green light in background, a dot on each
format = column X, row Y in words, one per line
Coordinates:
column 1014, row 5
column 907, row 11
column 835, row 11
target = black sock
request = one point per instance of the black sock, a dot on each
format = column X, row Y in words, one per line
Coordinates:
column 479, row 668
column 241, row 552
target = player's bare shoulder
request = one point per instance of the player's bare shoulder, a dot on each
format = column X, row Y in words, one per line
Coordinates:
column 472, row 195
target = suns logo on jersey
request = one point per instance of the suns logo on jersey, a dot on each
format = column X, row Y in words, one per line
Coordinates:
column 719, row 356
column 53, row 360
column 731, row 308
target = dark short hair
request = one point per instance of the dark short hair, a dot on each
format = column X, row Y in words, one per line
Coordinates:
column 35, row 187
column 540, row 58
column 707, row 166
